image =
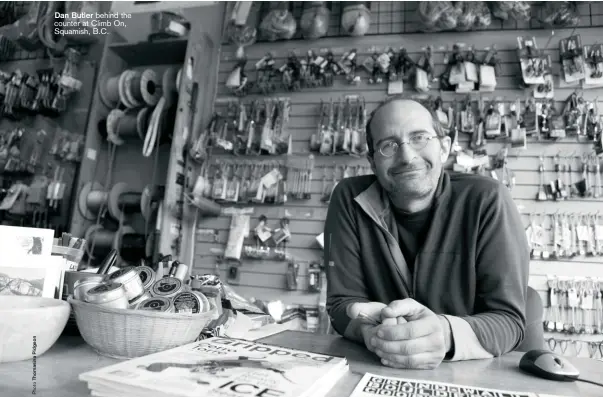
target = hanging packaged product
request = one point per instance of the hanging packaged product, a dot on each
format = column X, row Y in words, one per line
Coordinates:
column 478, row 138
column 232, row 184
column 314, row 22
column 545, row 90
column 518, row 136
column 314, row 279
column 238, row 31
column 557, row 14
column 266, row 73
column 573, row 113
column 471, row 74
column 395, row 84
column 424, row 71
column 261, row 231
column 572, row 59
column 456, row 66
column 278, row 23
column 593, row 66
column 355, row 17
column 530, row 117
column 493, row 120
column 238, row 82
column 292, row 276
column 488, row 70
column 468, row 118
column 556, row 123
column 519, row 11
column 281, row 234
column 531, row 61
column 445, row 117
column 437, row 16
column 239, row 230
column 348, row 65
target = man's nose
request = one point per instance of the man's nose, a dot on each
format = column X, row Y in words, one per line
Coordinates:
column 406, row 154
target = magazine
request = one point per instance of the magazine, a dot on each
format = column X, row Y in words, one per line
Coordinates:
column 372, row 385
column 221, row 367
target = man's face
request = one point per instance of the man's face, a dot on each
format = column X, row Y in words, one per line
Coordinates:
column 409, row 173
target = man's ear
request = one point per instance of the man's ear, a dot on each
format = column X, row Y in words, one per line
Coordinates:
column 446, row 145
column 371, row 161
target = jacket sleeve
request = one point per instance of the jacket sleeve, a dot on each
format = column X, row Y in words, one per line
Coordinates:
column 345, row 275
column 502, row 271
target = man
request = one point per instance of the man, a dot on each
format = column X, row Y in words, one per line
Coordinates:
column 440, row 259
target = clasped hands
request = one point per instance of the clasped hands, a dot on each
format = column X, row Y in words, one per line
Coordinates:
column 409, row 336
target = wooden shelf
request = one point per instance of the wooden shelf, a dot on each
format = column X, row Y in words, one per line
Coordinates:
column 146, row 53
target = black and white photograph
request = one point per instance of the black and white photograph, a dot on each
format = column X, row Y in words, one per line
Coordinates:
column 20, row 281
column 26, row 240
column 301, row 198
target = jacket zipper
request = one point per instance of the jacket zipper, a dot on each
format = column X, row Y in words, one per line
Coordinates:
column 411, row 284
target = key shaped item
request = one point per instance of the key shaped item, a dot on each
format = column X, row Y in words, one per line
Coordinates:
column 561, row 192
column 541, row 196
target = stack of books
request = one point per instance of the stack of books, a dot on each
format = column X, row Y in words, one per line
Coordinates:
column 220, row 367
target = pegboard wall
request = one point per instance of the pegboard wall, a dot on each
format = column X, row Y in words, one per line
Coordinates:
column 394, row 25
column 49, row 130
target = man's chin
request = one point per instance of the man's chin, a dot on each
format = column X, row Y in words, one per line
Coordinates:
column 412, row 187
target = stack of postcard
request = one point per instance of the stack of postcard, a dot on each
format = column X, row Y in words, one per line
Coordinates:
column 27, row 266
column 220, row 367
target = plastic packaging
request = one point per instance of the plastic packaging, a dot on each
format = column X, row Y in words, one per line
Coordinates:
column 278, row 24
column 314, row 22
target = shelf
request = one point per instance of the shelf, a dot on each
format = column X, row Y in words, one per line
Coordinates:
column 144, row 53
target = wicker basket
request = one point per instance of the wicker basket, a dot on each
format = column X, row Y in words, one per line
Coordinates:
column 124, row 333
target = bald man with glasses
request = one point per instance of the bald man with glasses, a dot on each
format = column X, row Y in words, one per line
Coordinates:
column 424, row 265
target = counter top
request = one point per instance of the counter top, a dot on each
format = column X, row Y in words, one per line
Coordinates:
column 57, row 370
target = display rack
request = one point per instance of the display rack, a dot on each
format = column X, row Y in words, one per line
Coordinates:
column 129, row 164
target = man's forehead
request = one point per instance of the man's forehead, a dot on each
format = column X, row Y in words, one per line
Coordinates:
column 403, row 115
column 403, row 107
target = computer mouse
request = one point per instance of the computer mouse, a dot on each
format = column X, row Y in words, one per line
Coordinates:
column 548, row 365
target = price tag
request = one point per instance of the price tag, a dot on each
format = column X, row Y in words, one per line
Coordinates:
column 599, row 232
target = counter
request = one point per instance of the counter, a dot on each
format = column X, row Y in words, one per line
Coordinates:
column 58, row 369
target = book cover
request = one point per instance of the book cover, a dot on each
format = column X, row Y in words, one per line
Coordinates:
column 220, row 367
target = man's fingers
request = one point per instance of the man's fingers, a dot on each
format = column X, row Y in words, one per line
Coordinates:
column 407, row 308
column 407, row 347
column 372, row 309
column 410, row 330
column 417, row 361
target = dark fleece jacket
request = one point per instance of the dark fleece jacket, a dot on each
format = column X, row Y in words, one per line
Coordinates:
column 473, row 266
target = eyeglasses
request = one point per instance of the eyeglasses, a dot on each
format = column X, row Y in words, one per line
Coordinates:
column 417, row 142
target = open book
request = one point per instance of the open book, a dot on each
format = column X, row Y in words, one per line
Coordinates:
column 220, row 367
column 372, row 385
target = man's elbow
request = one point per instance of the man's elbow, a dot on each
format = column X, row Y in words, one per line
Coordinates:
column 337, row 314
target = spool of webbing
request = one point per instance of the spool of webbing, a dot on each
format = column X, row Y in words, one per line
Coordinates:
column 123, row 201
column 108, row 89
column 100, row 241
column 90, row 199
column 127, row 126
